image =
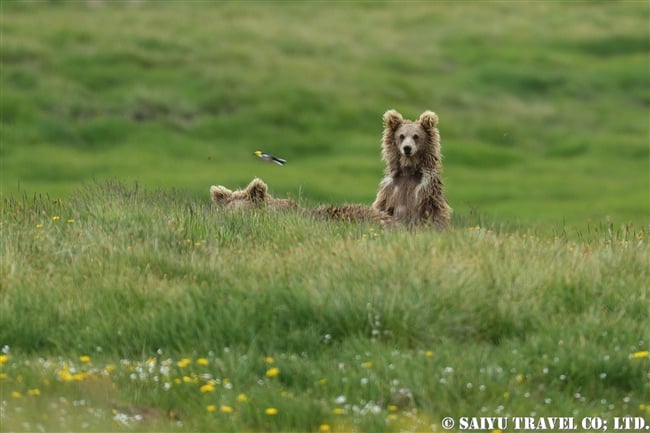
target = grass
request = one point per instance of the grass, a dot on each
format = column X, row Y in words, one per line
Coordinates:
column 543, row 106
column 125, row 308
column 129, row 303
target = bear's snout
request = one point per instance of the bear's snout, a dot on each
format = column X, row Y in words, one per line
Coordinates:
column 408, row 144
column 408, row 147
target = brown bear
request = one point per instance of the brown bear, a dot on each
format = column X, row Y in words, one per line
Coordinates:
column 256, row 195
column 411, row 190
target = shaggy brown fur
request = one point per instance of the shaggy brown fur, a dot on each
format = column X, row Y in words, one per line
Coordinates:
column 353, row 212
column 411, row 190
column 256, row 195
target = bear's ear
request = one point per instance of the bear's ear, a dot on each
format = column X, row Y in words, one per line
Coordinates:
column 256, row 191
column 392, row 119
column 428, row 119
column 220, row 194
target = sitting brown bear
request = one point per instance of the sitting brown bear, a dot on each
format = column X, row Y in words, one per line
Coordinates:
column 411, row 190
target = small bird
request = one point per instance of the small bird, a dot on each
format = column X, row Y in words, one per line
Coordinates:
column 269, row 158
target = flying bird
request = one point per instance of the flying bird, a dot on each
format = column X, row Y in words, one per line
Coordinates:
column 269, row 158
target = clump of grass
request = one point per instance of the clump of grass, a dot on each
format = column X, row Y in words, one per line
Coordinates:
column 124, row 308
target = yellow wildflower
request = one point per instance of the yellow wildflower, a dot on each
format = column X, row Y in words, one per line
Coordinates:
column 392, row 417
column 269, row 359
column 324, row 428
column 187, row 379
column 226, row 408
column 366, row 364
column 641, row 354
column 3, row 358
column 208, row 387
column 70, row 221
column 211, row 408
column 338, row 411
column 16, row 394
column 184, row 362
column 272, row 372
column 392, row 408
column 65, row 375
column 271, row 411
column 85, row 359
column 202, row 361
column 242, row 398
column 109, row 368
column 80, row 376
column 496, row 430
column 56, row 218
column 520, row 378
column 177, row 381
column 428, row 353
column 39, row 226
column 3, row 376
column 322, row 381
column 34, row 392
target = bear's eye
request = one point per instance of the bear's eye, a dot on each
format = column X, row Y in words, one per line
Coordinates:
column 415, row 137
column 401, row 136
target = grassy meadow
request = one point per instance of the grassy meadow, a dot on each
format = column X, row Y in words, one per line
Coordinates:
column 126, row 309
column 543, row 106
column 129, row 303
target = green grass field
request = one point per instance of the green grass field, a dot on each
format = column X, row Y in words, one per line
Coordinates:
column 543, row 105
column 129, row 303
column 126, row 309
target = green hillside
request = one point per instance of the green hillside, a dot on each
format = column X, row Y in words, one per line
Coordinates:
column 543, row 105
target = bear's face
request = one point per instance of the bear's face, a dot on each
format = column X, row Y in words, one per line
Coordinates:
column 409, row 138
column 407, row 144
